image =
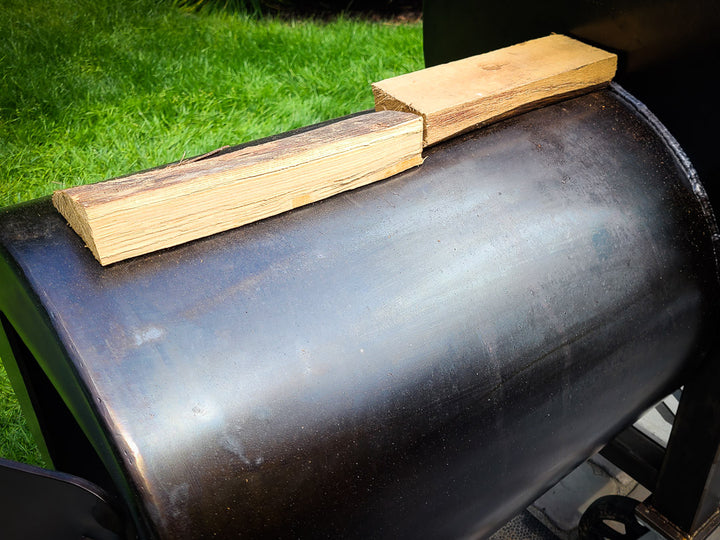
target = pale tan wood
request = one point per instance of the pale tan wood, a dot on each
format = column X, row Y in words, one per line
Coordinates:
column 460, row 95
column 138, row 214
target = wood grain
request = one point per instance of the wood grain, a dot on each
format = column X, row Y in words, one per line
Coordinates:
column 458, row 96
column 145, row 212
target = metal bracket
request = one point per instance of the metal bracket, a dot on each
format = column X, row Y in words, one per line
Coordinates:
column 38, row 503
column 654, row 520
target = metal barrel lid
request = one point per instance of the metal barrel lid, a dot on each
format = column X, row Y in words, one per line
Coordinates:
column 419, row 357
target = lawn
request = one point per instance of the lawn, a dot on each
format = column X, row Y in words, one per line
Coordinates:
column 90, row 90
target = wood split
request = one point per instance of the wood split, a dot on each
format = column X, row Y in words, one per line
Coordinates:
column 224, row 189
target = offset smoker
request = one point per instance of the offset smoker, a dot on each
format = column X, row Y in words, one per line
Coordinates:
column 421, row 357
column 664, row 51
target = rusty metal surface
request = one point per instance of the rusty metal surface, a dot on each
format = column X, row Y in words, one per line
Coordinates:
column 420, row 357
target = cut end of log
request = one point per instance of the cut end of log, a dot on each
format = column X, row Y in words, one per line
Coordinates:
column 76, row 217
column 455, row 97
column 386, row 102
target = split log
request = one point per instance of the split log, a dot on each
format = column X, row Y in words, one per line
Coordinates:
column 145, row 212
column 461, row 95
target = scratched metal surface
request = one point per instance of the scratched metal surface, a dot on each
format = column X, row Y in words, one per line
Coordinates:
column 417, row 358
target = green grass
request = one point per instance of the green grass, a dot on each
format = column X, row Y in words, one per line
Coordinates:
column 90, row 90
column 15, row 440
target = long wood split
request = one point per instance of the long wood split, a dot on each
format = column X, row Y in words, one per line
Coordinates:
column 145, row 212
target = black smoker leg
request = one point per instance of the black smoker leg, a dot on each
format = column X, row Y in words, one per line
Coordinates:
column 684, row 503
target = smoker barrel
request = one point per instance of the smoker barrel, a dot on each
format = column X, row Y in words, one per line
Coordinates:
column 421, row 357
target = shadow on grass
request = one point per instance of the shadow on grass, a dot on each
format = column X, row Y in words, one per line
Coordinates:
column 376, row 10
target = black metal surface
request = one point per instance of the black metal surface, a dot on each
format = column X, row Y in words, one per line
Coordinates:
column 36, row 503
column 666, row 52
column 64, row 417
column 688, row 489
column 421, row 357
column 637, row 455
